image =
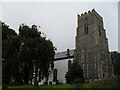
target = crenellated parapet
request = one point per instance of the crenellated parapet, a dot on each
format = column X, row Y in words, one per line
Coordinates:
column 89, row 18
column 89, row 13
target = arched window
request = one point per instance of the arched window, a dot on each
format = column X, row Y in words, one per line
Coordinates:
column 55, row 75
column 86, row 25
column 69, row 64
column 86, row 29
column 99, row 30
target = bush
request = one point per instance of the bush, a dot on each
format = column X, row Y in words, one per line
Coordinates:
column 74, row 74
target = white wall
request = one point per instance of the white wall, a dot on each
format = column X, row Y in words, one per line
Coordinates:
column 62, row 67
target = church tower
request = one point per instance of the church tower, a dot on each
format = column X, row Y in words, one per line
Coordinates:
column 91, row 47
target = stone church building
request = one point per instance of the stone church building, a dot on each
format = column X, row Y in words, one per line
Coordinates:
column 91, row 51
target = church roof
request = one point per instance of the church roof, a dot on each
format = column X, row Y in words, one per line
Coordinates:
column 63, row 55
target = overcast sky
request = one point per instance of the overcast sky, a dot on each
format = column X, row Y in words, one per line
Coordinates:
column 59, row 20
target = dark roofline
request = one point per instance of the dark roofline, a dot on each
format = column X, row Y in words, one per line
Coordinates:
column 62, row 55
column 65, row 51
column 57, row 59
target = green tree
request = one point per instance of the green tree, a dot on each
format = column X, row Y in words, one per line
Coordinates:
column 24, row 52
column 37, row 51
column 10, row 48
column 74, row 74
column 115, row 57
column 7, row 32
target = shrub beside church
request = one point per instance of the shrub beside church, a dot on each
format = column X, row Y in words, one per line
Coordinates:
column 74, row 74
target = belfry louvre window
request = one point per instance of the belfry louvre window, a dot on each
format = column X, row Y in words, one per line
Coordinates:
column 99, row 30
column 86, row 29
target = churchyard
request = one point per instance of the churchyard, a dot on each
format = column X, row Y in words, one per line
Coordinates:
column 111, row 83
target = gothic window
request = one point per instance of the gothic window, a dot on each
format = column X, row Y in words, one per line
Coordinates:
column 55, row 75
column 69, row 64
column 99, row 31
column 86, row 29
column 86, row 26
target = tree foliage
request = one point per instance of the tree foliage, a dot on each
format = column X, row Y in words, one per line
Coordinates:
column 74, row 74
column 8, row 52
column 115, row 56
column 25, row 52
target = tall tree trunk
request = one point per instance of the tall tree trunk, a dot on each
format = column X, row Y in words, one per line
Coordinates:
column 36, row 75
column 26, row 75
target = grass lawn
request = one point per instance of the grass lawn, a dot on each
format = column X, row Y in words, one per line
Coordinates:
column 44, row 86
column 0, row 87
column 112, row 83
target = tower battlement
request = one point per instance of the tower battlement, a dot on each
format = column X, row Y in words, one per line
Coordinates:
column 89, row 13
